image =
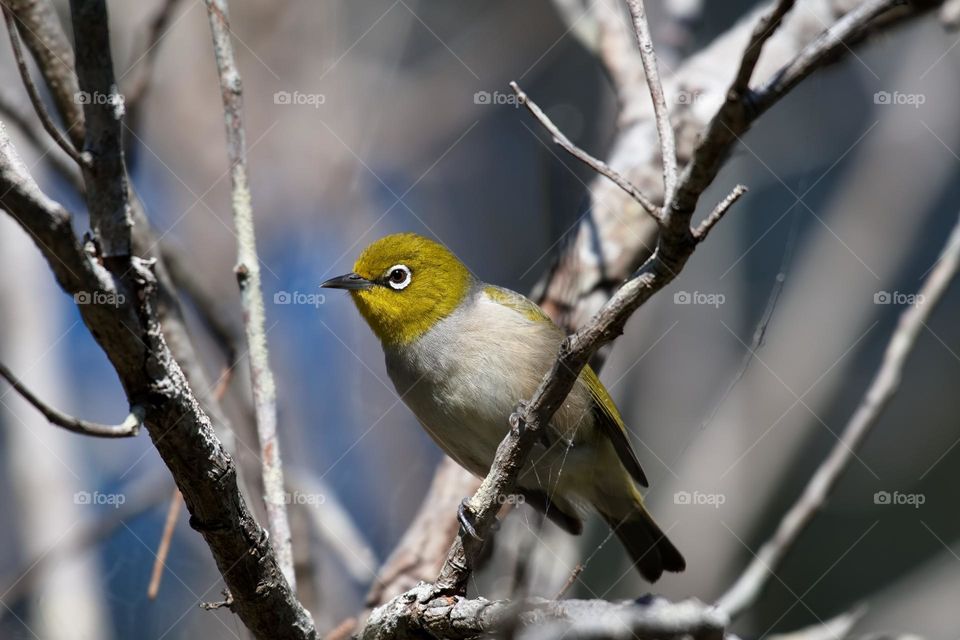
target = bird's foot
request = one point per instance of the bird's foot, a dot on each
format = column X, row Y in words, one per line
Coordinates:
column 467, row 520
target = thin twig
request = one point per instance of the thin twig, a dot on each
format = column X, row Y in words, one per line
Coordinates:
column 169, row 525
column 248, row 278
column 700, row 233
column 750, row 584
column 599, row 166
column 23, row 118
column 41, row 31
column 35, row 99
column 762, row 31
column 574, row 576
column 742, row 106
column 126, row 429
column 668, row 144
column 676, row 244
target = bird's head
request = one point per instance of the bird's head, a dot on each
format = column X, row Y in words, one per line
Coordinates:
column 403, row 284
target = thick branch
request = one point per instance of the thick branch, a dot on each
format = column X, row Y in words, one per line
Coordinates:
column 248, row 277
column 182, row 433
column 748, row 587
column 420, row 614
column 105, row 175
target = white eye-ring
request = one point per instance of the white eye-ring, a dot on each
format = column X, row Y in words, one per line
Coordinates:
column 398, row 276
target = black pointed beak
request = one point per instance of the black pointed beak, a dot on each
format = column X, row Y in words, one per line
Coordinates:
column 350, row 281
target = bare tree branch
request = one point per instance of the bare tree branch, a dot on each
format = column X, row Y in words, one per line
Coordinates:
column 34, row 94
column 668, row 144
column 132, row 338
column 163, row 549
column 419, row 613
column 41, row 30
column 126, row 429
column 105, row 175
column 423, row 548
column 750, row 584
column 676, row 244
column 700, row 233
column 248, row 277
column 762, row 32
column 743, row 106
column 16, row 113
column 599, row 166
column 602, row 253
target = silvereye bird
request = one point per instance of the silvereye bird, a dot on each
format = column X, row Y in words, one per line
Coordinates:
column 462, row 354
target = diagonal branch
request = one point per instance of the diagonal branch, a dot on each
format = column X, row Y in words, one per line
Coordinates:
column 34, row 94
column 182, row 433
column 886, row 381
column 742, row 106
column 126, row 429
column 43, row 34
column 248, row 277
column 618, row 238
column 762, row 31
column 599, row 166
column 676, row 244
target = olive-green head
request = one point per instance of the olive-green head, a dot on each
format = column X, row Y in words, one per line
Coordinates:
column 403, row 284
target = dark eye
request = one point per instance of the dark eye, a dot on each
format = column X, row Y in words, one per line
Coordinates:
column 398, row 276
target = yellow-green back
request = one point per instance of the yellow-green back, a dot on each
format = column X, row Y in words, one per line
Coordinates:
column 439, row 282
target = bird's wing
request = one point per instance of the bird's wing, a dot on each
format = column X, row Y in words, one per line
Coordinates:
column 604, row 409
column 519, row 303
column 608, row 417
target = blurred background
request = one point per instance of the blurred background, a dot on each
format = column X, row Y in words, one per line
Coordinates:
column 369, row 118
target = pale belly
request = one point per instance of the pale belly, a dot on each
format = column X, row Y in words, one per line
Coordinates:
column 463, row 396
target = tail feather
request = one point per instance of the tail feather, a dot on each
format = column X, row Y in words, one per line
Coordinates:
column 651, row 550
